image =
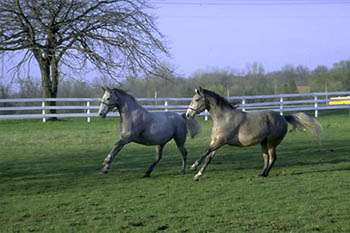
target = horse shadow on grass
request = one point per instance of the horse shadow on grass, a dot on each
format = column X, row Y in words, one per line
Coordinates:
column 66, row 170
column 289, row 156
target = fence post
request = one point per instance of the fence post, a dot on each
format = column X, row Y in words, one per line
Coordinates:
column 281, row 106
column 88, row 111
column 316, row 106
column 43, row 111
column 166, row 106
column 206, row 115
column 243, row 105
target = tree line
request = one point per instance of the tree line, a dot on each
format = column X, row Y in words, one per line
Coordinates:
column 255, row 81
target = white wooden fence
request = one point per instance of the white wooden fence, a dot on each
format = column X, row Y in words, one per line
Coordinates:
column 36, row 108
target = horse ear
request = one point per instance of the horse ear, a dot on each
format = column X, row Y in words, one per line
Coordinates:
column 103, row 88
column 108, row 89
column 199, row 91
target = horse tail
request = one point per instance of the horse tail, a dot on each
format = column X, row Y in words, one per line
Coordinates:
column 192, row 125
column 303, row 121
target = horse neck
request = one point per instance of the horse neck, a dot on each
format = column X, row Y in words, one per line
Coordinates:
column 128, row 106
column 218, row 112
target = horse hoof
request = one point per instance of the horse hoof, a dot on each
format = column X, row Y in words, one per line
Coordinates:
column 147, row 175
column 262, row 175
column 103, row 172
column 196, row 177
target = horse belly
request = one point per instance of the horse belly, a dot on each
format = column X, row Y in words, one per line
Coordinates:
column 249, row 139
column 257, row 135
column 156, row 135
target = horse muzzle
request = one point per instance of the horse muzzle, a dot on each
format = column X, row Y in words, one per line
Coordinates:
column 102, row 114
column 189, row 114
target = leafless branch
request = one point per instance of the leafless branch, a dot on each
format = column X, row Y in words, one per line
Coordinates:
column 112, row 35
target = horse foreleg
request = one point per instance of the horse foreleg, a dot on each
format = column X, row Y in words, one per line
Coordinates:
column 214, row 145
column 200, row 160
column 112, row 154
column 159, row 154
column 207, row 161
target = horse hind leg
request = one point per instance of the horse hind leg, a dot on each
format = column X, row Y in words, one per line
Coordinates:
column 180, row 143
column 265, row 155
column 183, row 152
column 272, row 159
column 159, row 154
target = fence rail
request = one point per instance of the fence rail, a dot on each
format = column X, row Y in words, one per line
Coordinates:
column 38, row 108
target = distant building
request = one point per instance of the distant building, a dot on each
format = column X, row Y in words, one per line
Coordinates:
column 303, row 89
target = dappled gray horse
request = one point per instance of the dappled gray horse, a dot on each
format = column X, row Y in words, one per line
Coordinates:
column 144, row 127
column 237, row 128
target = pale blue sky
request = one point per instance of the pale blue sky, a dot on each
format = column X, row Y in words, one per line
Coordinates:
column 232, row 34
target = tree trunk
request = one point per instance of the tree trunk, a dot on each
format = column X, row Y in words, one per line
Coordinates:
column 49, row 78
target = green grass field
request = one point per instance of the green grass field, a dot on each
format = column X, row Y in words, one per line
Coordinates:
column 50, row 181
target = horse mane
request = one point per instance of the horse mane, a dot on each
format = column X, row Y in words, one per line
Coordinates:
column 221, row 101
column 124, row 93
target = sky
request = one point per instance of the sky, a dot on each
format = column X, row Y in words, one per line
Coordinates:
column 231, row 34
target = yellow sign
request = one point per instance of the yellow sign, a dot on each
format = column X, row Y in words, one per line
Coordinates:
column 339, row 100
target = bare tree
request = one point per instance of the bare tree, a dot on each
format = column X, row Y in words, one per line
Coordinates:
column 110, row 35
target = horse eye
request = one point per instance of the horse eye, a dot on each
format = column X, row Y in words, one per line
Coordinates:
column 108, row 98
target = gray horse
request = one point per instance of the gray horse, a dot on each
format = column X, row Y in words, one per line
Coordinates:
column 144, row 127
column 237, row 128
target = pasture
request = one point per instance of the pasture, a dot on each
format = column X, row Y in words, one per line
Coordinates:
column 50, row 181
